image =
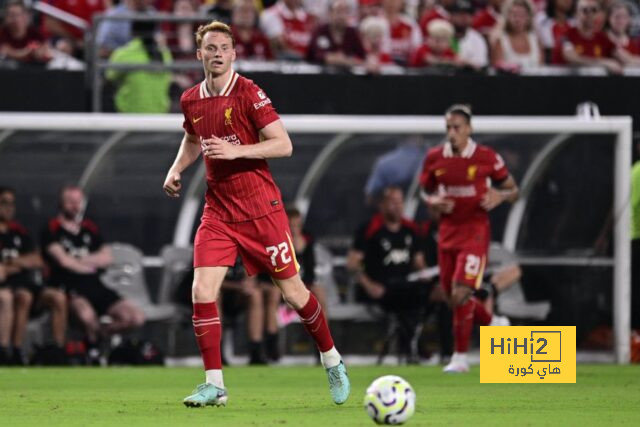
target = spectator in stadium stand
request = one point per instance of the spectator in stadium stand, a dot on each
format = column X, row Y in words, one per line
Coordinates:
column 384, row 252
column 585, row 45
column 635, row 240
column 618, row 27
column 375, row 39
column 516, row 46
column 83, row 9
column 404, row 34
column 19, row 290
column 221, row 11
column 486, row 19
column 470, row 46
column 369, row 8
column 440, row 10
column 19, row 40
column 436, row 49
column 552, row 24
column 288, row 27
column 111, row 33
column 141, row 91
column 251, row 43
column 396, row 168
column 337, row 43
column 76, row 254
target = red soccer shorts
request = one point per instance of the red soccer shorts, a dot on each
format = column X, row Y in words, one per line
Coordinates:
column 264, row 244
column 463, row 266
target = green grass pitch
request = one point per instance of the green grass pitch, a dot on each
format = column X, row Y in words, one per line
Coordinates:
column 604, row 395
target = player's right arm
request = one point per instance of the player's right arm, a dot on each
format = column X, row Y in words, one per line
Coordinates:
column 188, row 153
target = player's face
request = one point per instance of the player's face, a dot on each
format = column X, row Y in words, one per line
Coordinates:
column 72, row 203
column 7, row 206
column 392, row 205
column 216, row 53
column 458, row 131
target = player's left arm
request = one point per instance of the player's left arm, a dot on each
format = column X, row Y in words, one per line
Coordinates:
column 275, row 142
column 505, row 191
column 28, row 261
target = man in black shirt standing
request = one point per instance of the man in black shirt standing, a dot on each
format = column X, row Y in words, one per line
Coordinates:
column 385, row 251
column 76, row 254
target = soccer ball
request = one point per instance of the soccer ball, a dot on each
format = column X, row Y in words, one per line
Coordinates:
column 390, row 400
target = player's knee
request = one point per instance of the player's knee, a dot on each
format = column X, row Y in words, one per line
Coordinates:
column 137, row 318
column 202, row 291
column 58, row 300
column 460, row 295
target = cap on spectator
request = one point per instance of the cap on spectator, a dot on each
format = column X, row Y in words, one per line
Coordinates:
column 462, row 6
column 440, row 28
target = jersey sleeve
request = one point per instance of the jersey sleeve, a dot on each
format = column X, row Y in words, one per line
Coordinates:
column 259, row 108
column 186, row 124
column 499, row 170
column 427, row 177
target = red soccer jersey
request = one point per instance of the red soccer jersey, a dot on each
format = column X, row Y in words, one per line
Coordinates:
column 295, row 27
column 241, row 189
column 405, row 37
column 598, row 46
column 464, row 179
column 437, row 12
column 485, row 19
column 257, row 47
column 419, row 58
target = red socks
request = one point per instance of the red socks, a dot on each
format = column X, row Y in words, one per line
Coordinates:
column 462, row 324
column 314, row 322
column 480, row 313
column 207, row 328
column 463, row 319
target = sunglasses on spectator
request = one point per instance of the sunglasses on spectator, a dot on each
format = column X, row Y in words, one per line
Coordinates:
column 587, row 10
column 6, row 202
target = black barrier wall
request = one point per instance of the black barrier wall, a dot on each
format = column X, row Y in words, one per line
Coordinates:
column 39, row 90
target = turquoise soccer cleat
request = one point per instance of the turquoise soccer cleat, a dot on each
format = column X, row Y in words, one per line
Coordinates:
column 206, row 395
column 339, row 383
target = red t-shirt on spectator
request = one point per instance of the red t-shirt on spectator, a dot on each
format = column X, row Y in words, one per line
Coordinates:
column 257, row 47
column 294, row 26
column 32, row 36
column 437, row 12
column 405, row 37
column 632, row 46
column 419, row 57
column 485, row 19
column 598, row 46
column 83, row 9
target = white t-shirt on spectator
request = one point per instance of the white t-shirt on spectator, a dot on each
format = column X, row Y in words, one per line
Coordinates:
column 472, row 48
column 530, row 59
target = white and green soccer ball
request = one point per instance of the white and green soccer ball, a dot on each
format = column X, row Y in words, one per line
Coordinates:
column 390, row 400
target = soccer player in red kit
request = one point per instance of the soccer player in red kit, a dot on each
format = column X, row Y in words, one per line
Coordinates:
column 231, row 122
column 458, row 179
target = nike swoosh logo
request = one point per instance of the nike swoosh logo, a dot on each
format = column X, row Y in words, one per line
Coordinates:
column 201, row 334
column 278, row 270
column 198, row 119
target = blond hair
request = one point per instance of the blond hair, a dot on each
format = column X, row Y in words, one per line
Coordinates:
column 440, row 28
column 215, row 27
column 506, row 8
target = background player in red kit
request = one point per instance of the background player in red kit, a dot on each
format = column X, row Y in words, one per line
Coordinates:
column 455, row 178
column 232, row 123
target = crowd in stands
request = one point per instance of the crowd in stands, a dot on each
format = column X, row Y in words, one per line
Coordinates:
column 506, row 35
